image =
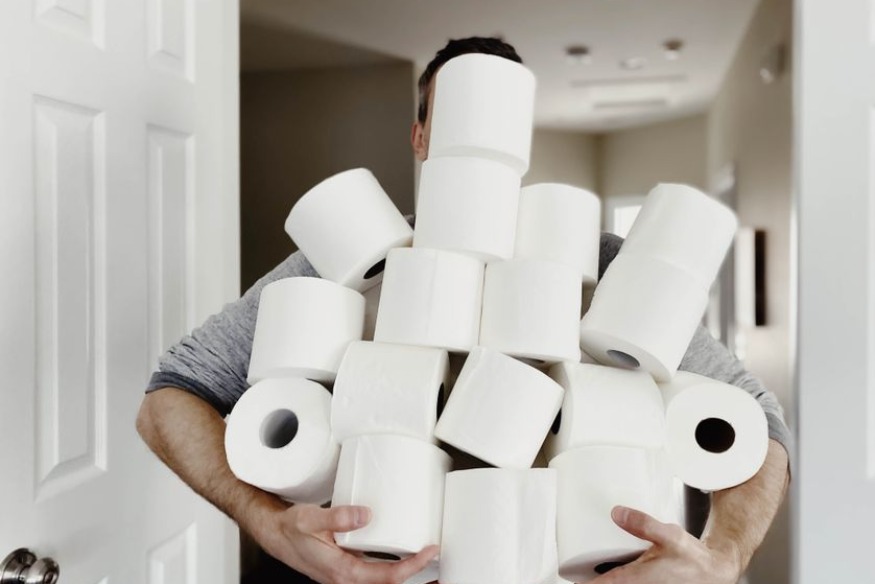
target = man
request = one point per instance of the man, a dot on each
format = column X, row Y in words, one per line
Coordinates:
column 200, row 379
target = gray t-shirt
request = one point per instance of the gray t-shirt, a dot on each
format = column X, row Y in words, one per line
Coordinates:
column 212, row 362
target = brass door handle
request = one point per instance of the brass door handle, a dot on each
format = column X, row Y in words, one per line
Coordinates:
column 23, row 567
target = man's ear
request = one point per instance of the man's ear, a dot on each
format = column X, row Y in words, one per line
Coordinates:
column 417, row 141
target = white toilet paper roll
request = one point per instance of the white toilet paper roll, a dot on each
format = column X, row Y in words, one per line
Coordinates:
column 643, row 315
column 467, row 205
column 677, row 507
column 278, row 439
column 685, row 227
column 484, row 107
column 500, row 410
column 499, row 526
column 389, row 389
column 303, row 328
column 345, row 225
column 591, row 481
column 531, row 309
column 372, row 304
column 430, row 298
column 717, row 434
column 605, row 406
column 560, row 223
column 401, row 479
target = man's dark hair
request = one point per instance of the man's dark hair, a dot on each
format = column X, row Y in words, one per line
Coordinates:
column 454, row 48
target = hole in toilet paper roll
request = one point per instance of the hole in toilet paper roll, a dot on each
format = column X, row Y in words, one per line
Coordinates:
column 606, row 567
column 441, row 401
column 557, row 423
column 382, row 556
column 375, row 269
column 279, row 428
column 715, row 435
column 623, row 359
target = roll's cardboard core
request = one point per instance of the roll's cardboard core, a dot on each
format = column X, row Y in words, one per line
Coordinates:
column 624, row 360
column 376, row 269
column 279, row 428
column 382, row 556
column 606, row 567
column 715, row 435
column 441, row 401
column 557, row 423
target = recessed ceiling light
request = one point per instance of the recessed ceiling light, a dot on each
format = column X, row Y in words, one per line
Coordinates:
column 578, row 55
column 673, row 49
column 633, row 63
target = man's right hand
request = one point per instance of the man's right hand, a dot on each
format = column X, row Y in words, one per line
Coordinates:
column 189, row 436
column 302, row 536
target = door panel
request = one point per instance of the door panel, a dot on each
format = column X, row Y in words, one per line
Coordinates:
column 117, row 235
column 834, row 484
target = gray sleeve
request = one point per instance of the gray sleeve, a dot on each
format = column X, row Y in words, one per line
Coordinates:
column 707, row 356
column 212, row 362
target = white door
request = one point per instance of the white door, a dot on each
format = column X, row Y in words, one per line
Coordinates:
column 834, row 502
column 118, row 231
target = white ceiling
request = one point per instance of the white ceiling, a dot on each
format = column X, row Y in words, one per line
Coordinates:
column 595, row 97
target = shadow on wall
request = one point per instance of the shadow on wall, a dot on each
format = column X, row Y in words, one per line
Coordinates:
column 298, row 127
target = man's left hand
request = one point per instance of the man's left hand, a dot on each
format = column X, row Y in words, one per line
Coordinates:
column 676, row 556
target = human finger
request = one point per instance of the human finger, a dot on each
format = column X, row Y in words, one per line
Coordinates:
column 362, row 572
column 335, row 519
column 645, row 527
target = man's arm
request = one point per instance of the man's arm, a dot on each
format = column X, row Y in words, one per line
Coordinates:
column 187, row 434
column 181, row 419
column 740, row 518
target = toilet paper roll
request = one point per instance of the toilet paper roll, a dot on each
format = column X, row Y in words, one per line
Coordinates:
column 591, row 481
column 500, row 409
column 345, row 225
column 643, row 315
column 605, row 406
column 483, row 107
column 372, row 304
column 531, row 309
column 467, row 205
column 677, row 507
column 430, row 298
column 389, row 389
column 401, row 479
column 560, row 223
column 717, row 434
column 278, row 439
column 499, row 526
column 685, row 227
column 303, row 328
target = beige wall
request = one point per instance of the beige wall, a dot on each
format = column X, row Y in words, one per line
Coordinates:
column 750, row 124
column 633, row 161
column 299, row 127
column 564, row 157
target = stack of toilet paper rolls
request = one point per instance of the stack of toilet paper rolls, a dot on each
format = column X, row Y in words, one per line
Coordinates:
column 652, row 297
column 279, row 436
column 494, row 274
column 607, row 447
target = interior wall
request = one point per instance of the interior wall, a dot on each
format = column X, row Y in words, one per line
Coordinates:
column 299, row 127
column 750, row 124
column 563, row 157
column 633, row 161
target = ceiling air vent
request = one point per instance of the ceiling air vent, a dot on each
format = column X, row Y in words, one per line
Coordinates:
column 631, row 104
